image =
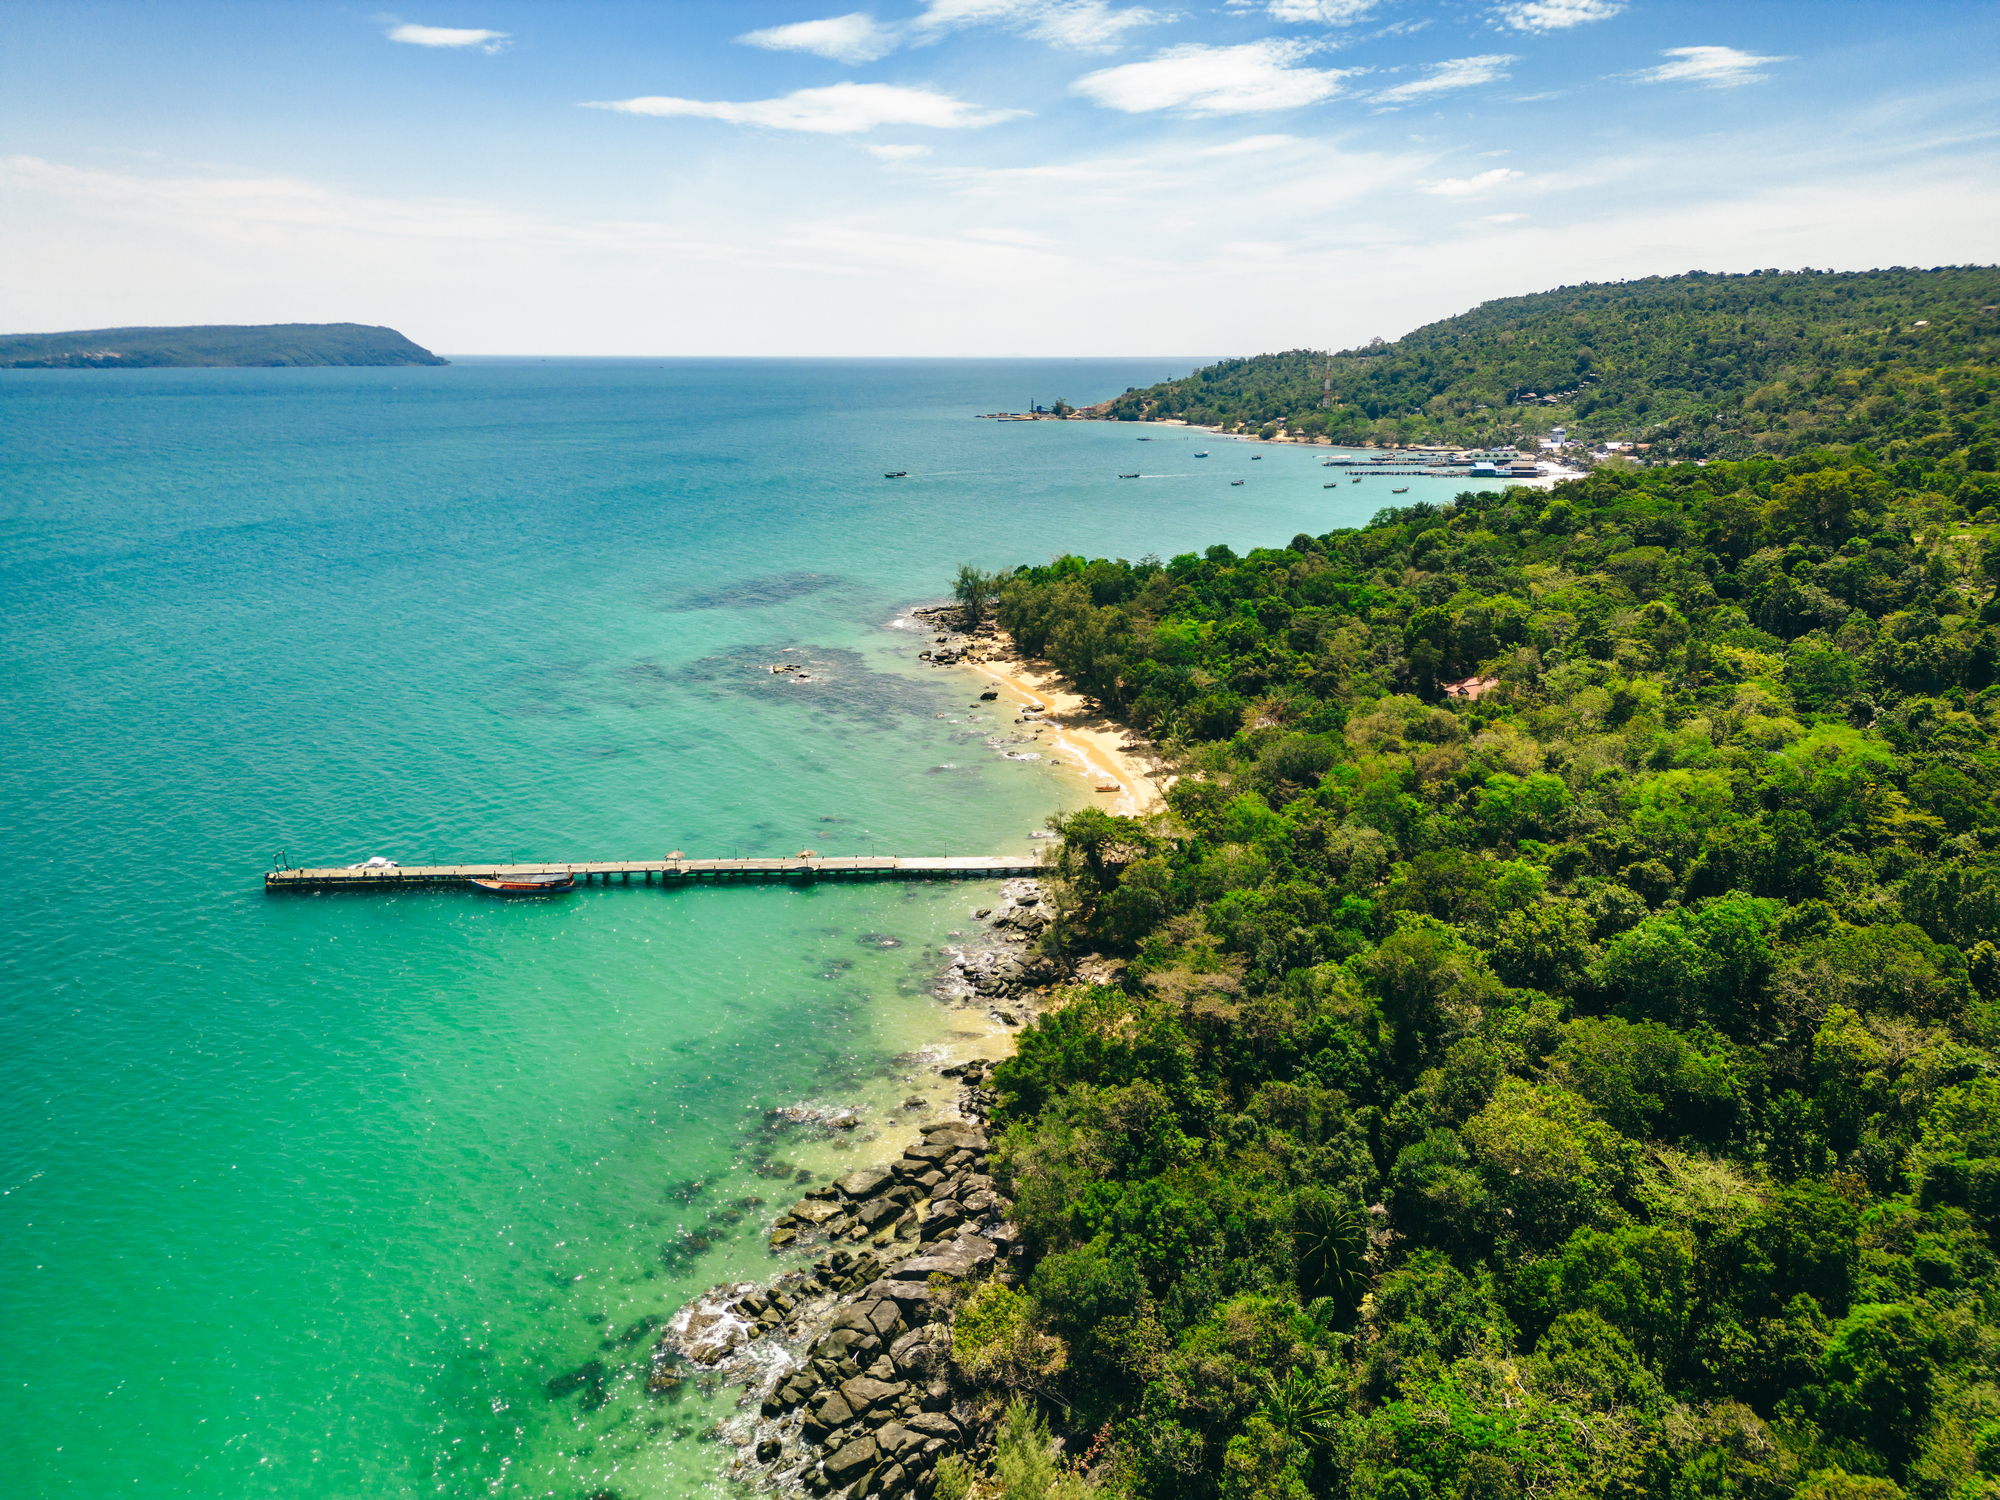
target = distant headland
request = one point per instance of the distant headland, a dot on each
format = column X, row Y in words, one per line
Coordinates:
column 215, row 344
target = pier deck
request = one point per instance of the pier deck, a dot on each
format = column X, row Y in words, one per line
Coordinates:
column 669, row 871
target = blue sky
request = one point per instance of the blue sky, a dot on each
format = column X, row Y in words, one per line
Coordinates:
column 975, row 177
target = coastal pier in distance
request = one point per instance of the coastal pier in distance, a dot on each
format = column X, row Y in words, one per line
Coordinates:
column 668, row 871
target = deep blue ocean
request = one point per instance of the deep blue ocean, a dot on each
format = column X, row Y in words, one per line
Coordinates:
column 312, row 1196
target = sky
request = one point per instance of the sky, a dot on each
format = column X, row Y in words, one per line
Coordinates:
column 964, row 177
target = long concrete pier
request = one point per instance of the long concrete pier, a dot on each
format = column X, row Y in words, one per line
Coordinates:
column 666, row 871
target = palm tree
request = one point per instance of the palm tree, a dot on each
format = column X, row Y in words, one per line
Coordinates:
column 1305, row 1406
column 1330, row 1240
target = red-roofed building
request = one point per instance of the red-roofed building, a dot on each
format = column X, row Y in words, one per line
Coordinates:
column 1471, row 687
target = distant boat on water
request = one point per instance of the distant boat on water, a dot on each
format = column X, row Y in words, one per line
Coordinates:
column 1202, row 454
column 549, row 883
column 899, row 474
column 1128, row 476
column 1235, row 481
column 1401, row 489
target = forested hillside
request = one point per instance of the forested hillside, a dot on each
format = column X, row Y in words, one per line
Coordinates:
column 1697, row 365
column 1587, row 1088
column 213, row 345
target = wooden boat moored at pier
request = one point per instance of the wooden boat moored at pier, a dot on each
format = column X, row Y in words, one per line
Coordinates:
column 548, row 883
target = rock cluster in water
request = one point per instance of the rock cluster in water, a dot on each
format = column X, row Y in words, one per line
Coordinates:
column 1003, row 976
column 847, row 1363
column 957, row 645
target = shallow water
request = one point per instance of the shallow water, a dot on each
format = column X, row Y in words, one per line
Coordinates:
column 315, row 1195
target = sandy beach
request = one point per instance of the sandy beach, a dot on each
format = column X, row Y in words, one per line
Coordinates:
column 1089, row 741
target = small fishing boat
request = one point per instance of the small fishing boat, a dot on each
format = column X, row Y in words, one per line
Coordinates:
column 1128, row 476
column 1202, row 454
column 546, row 883
column 1109, row 786
column 1235, row 481
column 899, row 474
column 1355, row 480
column 1401, row 489
column 1256, row 458
column 1327, row 486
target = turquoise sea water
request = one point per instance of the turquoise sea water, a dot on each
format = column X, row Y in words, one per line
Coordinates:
column 313, row 1196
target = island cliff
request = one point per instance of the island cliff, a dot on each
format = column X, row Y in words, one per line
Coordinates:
column 217, row 345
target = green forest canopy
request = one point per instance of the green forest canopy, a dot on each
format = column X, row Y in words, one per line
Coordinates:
column 1587, row 1088
column 213, row 345
column 1700, row 366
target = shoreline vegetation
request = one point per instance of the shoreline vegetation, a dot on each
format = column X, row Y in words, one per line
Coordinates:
column 213, row 346
column 1545, row 1044
column 858, row 1374
column 1105, row 752
column 1699, row 366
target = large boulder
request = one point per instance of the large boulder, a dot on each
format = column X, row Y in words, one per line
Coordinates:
column 941, row 1219
column 865, row 1391
column 865, row 1183
column 825, row 1414
column 934, row 1424
column 923, row 1267
column 852, row 1461
column 958, row 1133
column 856, row 1315
column 908, row 1295
column 914, row 1355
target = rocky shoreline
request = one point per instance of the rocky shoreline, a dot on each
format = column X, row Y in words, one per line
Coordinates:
column 845, row 1362
column 955, row 645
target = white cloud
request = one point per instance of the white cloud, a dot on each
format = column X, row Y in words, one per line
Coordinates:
column 1459, row 73
column 898, row 153
column 1201, row 80
column 852, row 38
column 1249, row 145
column 447, row 36
column 1502, row 218
column 1718, row 67
column 1555, row 15
column 1026, row 238
column 1080, row 25
column 1466, row 187
column 839, row 109
column 794, row 259
column 254, row 213
column 1325, row 12
column 1088, row 25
